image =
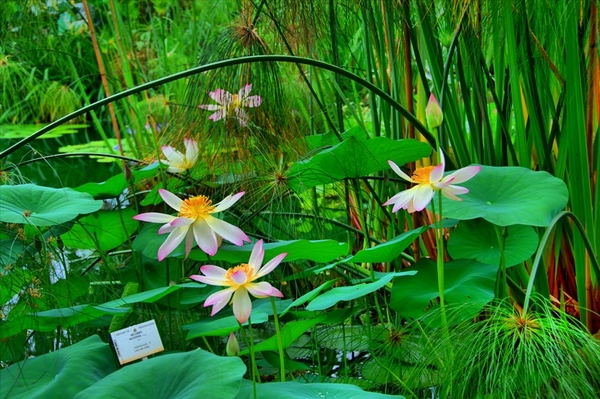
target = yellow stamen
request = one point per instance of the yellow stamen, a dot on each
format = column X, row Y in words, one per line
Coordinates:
column 196, row 207
column 235, row 103
column 244, row 267
column 421, row 175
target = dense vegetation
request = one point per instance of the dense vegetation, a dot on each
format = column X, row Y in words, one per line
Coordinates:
column 396, row 197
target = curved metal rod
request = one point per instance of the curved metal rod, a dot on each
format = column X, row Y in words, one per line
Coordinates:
column 220, row 64
column 72, row 154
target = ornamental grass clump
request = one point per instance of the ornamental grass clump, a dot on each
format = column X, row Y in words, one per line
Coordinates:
column 544, row 353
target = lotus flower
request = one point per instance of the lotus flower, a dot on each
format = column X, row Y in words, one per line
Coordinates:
column 195, row 221
column 228, row 104
column 240, row 281
column 428, row 180
column 179, row 162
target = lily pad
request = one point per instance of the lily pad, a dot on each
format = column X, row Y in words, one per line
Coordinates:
column 319, row 141
column 224, row 322
column 8, row 132
column 468, row 284
column 477, row 239
column 59, row 374
column 221, row 324
column 193, row 374
column 101, row 148
column 148, row 241
column 114, row 186
column 290, row 332
column 49, row 320
column 507, row 196
column 297, row 390
column 103, row 230
column 388, row 251
column 354, row 158
column 330, row 298
column 43, row 206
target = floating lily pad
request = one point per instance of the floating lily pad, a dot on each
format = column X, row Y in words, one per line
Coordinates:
column 100, row 147
column 8, row 132
column 43, row 206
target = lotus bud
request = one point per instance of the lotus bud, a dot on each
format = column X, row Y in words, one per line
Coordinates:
column 433, row 113
column 233, row 347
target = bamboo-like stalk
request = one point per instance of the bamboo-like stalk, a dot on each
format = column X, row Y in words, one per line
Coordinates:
column 102, row 71
column 578, row 162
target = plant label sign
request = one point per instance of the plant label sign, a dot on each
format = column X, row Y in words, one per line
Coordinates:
column 136, row 342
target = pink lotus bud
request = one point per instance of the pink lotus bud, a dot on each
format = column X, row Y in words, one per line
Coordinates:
column 433, row 113
column 233, row 347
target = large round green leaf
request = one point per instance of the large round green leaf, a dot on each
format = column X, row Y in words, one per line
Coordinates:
column 148, row 241
column 478, row 239
column 297, row 390
column 353, row 158
column 114, row 186
column 509, row 195
column 103, row 230
column 60, row 374
column 43, row 206
column 467, row 284
column 194, row 374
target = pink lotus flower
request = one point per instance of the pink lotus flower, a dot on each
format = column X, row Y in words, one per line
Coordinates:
column 428, row 180
column 194, row 222
column 240, row 280
column 179, row 162
column 232, row 103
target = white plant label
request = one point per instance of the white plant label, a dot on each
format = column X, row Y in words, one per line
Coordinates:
column 137, row 341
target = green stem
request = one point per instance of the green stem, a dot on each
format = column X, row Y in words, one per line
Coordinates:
column 210, row 349
column 542, row 245
column 253, row 367
column 72, row 154
column 279, row 341
column 501, row 287
column 439, row 240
